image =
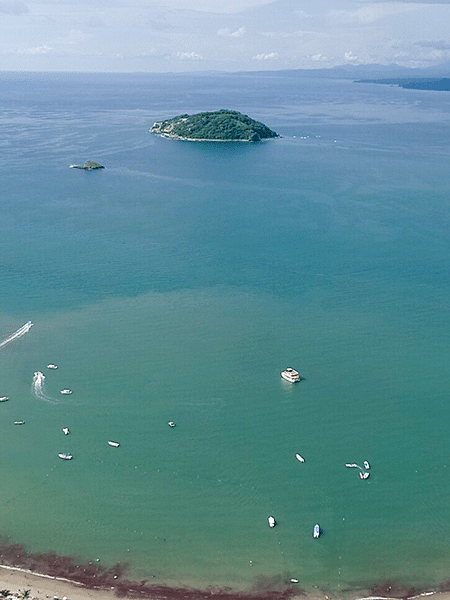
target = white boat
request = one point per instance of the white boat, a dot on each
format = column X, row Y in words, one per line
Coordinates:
column 115, row 444
column 66, row 391
column 299, row 458
column 19, row 422
column 293, row 580
column 290, row 375
column 366, row 464
column 364, row 475
column 65, row 430
column 316, row 531
column 271, row 521
column 4, row 399
column 65, row 456
column 171, row 424
column 52, row 366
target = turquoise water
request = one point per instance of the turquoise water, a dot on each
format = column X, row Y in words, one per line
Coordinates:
column 177, row 283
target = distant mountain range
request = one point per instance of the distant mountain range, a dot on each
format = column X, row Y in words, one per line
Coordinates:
column 367, row 72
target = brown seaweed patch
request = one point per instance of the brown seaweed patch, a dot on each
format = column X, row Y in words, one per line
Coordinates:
column 395, row 590
column 94, row 576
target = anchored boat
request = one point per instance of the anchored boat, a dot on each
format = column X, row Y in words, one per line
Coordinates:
column 290, row 375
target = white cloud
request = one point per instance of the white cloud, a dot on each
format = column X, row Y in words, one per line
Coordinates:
column 238, row 33
column 350, row 57
column 268, row 56
column 318, row 57
column 189, row 56
column 36, row 50
column 370, row 13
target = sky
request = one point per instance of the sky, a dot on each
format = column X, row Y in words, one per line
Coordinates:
column 220, row 35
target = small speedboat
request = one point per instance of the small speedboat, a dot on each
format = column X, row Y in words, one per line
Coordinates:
column 316, row 531
column 366, row 464
column 115, row 444
column 19, row 422
column 66, row 391
column 271, row 521
column 171, row 424
column 290, row 375
column 364, row 475
column 65, row 430
column 4, row 399
column 65, row 456
column 52, row 366
column 299, row 458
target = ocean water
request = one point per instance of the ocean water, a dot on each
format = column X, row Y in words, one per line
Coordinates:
column 178, row 282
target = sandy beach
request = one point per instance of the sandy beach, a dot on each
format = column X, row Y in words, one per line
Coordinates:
column 23, row 584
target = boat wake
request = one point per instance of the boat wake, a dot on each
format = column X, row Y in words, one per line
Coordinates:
column 17, row 334
column 38, row 387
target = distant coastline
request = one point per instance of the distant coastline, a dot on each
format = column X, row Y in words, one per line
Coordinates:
column 437, row 85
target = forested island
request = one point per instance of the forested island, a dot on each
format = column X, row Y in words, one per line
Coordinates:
column 438, row 85
column 218, row 126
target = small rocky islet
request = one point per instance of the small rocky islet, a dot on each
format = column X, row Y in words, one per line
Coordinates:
column 89, row 165
column 217, row 126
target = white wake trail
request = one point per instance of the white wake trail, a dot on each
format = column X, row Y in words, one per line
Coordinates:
column 38, row 387
column 17, row 334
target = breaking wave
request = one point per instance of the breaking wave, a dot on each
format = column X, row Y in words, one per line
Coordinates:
column 38, row 387
column 17, row 334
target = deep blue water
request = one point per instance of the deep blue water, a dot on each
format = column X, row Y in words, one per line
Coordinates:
column 177, row 283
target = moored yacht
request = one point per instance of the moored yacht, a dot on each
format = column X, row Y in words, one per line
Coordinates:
column 271, row 521
column 65, row 456
column 65, row 430
column 4, row 399
column 290, row 375
column 52, row 366
column 316, row 531
column 299, row 458
column 115, row 444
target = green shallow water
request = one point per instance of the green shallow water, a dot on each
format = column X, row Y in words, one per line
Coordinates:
column 176, row 285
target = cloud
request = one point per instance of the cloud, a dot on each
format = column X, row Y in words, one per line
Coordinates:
column 438, row 45
column 238, row 33
column 369, row 14
column 268, row 56
column 36, row 50
column 189, row 56
column 350, row 57
column 13, row 8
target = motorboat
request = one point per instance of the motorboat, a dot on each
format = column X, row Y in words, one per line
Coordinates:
column 65, row 430
column 299, row 458
column 293, row 580
column 366, row 464
column 171, row 424
column 52, row 366
column 19, row 422
column 290, row 375
column 271, row 521
column 115, row 444
column 316, row 531
column 364, row 475
column 4, row 399
column 66, row 391
column 65, row 456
